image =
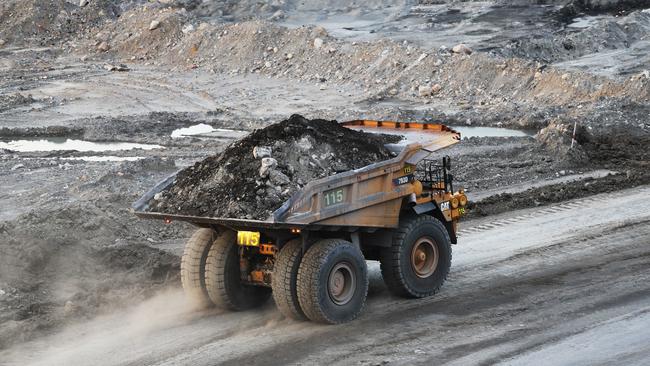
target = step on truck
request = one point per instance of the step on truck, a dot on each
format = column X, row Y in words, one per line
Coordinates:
column 310, row 256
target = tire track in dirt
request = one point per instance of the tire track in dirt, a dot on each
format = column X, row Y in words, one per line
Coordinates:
column 565, row 206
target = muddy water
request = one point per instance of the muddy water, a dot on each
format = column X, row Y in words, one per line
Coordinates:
column 101, row 159
column 201, row 128
column 468, row 131
column 62, row 144
column 204, row 130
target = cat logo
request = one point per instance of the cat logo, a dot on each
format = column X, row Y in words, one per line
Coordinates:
column 444, row 206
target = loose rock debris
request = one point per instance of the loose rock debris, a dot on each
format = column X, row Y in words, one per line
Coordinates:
column 255, row 175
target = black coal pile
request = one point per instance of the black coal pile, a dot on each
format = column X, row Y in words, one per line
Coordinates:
column 255, row 175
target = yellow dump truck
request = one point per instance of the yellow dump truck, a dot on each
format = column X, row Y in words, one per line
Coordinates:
column 311, row 255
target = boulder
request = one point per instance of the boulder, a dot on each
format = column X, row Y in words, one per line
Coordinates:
column 462, row 49
column 260, row 152
column 103, row 47
column 424, row 90
column 267, row 165
column 278, row 178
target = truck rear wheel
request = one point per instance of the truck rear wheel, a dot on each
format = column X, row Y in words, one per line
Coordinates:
column 418, row 261
column 332, row 281
column 223, row 279
column 193, row 267
column 284, row 281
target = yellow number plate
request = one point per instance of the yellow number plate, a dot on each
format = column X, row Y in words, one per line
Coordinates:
column 248, row 238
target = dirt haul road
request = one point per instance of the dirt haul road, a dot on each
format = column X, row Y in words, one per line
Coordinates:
column 562, row 283
column 70, row 250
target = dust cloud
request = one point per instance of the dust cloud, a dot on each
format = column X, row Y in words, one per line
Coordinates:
column 152, row 332
column 92, row 342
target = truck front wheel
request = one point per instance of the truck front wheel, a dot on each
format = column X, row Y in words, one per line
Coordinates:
column 332, row 281
column 223, row 279
column 418, row 260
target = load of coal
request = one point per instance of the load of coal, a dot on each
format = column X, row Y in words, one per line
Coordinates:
column 254, row 176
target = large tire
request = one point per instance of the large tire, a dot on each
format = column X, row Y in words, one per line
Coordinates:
column 285, row 280
column 193, row 261
column 332, row 282
column 418, row 261
column 222, row 277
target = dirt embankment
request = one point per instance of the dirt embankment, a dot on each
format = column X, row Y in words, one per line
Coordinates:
column 508, row 91
column 574, row 8
column 48, row 22
column 10, row 101
column 556, row 193
column 610, row 33
column 481, row 88
column 53, row 22
column 382, row 68
column 255, row 175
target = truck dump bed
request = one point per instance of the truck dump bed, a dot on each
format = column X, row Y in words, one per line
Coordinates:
column 368, row 197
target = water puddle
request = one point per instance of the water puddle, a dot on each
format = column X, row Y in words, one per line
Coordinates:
column 469, row 131
column 585, row 22
column 203, row 130
column 105, row 158
column 192, row 130
column 62, row 144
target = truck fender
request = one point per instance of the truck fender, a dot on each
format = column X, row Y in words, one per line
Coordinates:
column 431, row 208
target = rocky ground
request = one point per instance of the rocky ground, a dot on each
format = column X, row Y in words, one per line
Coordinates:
column 108, row 72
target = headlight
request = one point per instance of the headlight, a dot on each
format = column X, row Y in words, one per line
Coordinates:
column 463, row 200
column 454, row 202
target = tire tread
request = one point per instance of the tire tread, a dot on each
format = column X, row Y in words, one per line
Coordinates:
column 192, row 267
column 284, row 280
column 390, row 263
column 221, row 292
column 308, row 280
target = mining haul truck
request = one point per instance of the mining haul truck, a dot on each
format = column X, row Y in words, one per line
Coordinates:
column 311, row 254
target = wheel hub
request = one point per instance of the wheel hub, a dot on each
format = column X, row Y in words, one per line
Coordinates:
column 424, row 257
column 341, row 284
